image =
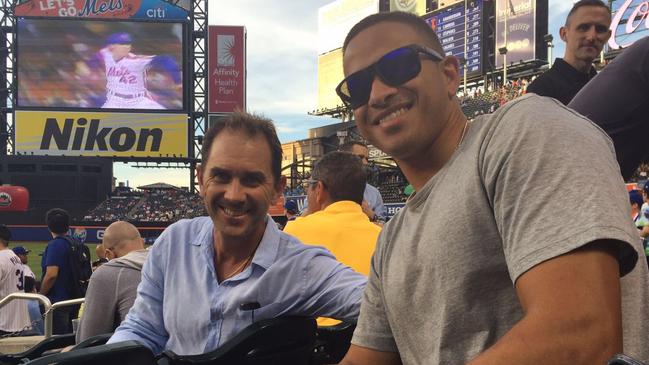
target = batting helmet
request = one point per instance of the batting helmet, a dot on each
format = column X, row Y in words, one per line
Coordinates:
column 119, row 38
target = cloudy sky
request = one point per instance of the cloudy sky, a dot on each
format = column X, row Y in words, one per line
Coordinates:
column 282, row 68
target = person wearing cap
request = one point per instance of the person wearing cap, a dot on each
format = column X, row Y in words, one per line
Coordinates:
column 126, row 73
column 22, row 253
column 291, row 210
column 14, row 316
column 635, row 198
column 113, row 286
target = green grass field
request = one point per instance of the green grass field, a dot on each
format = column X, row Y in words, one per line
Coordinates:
column 37, row 248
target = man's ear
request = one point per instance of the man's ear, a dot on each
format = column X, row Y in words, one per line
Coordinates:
column 562, row 33
column 321, row 194
column 450, row 67
column 199, row 176
column 279, row 188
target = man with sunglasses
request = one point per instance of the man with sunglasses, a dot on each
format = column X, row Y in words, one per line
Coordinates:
column 585, row 33
column 488, row 262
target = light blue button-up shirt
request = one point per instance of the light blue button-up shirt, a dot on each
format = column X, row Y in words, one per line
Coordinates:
column 181, row 306
column 374, row 200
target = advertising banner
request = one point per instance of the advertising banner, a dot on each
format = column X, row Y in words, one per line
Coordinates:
column 630, row 22
column 330, row 74
column 520, row 17
column 410, row 6
column 227, row 69
column 337, row 18
column 102, row 9
column 101, row 134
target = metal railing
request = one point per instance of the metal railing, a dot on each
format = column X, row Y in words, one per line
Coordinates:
column 48, row 306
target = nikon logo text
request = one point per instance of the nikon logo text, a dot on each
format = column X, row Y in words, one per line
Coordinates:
column 98, row 139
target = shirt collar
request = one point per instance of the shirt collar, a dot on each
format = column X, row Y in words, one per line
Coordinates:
column 343, row 206
column 267, row 250
column 567, row 70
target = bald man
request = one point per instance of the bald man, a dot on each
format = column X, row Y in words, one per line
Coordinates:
column 113, row 286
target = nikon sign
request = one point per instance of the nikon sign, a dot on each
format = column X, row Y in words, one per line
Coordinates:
column 101, row 134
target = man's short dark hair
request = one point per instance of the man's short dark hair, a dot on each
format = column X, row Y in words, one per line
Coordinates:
column 412, row 20
column 5, row 234
column 342, row 175
column 58, row 220
column 347, row 146
column 252, row 125
column 582, row 3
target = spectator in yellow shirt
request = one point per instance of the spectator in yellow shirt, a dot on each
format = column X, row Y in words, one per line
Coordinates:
column 336, row 220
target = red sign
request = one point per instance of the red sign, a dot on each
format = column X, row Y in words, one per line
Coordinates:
column 227, row 69
column 106, row 9
column 13, row 198
column 69, row 8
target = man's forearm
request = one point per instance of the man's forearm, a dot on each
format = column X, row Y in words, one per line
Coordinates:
column 559, row 341
column 48, row 283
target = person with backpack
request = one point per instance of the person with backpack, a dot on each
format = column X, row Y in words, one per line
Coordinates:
column 66, row 269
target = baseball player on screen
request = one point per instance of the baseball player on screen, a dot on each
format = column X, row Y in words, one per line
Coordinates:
column 126, row 73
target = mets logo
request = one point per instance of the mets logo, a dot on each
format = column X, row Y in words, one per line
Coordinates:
column 405, row 5
column 80, row 234
column 5, row 199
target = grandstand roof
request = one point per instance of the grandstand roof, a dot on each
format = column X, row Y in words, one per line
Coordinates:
column 159, row 185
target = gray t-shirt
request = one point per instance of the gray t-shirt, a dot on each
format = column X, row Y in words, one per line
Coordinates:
column 530, row 182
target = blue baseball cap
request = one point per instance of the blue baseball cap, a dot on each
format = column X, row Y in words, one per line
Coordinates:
column 635, row 197
column 119, row 38
column 20, row 250
column 291, row 206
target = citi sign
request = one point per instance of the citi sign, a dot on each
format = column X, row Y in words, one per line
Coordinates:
column 86, row 135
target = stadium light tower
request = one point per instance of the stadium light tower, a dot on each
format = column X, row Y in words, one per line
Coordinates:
column 548, row 38
column 503, row 50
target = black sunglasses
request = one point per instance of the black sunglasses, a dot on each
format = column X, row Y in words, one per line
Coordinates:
column 394, row 68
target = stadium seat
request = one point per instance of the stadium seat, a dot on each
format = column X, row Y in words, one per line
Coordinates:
column 285, row 340
column 92, row 341
column 332, row 343
column 36, row 351
column 123, row 353
column 624, row 360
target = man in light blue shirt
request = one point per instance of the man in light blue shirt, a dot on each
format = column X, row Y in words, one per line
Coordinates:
column 208, row 278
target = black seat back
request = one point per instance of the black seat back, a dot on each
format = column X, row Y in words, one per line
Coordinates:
column 332, row 343
column 92, row 341
column 36, row 351
column 285, row 340
column 122, row 353
column 624, row 360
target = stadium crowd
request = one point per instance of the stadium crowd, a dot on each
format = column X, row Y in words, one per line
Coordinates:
column 162, row 205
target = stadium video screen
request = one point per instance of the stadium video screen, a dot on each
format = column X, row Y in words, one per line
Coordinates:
column 92, row 64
